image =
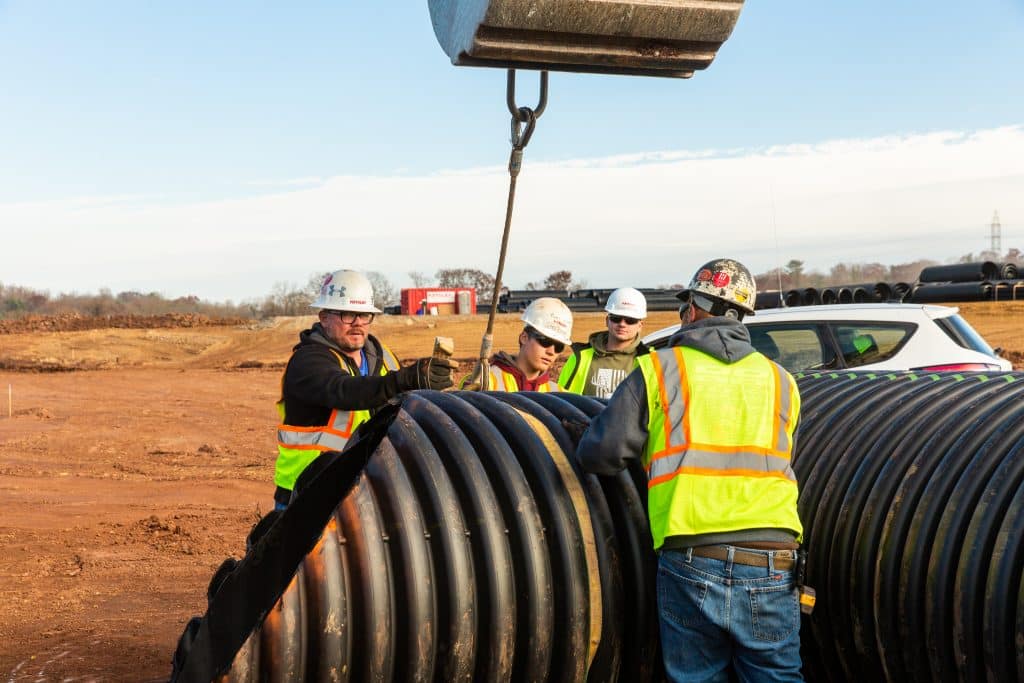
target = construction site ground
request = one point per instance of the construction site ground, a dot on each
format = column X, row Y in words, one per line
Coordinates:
column 135, row 457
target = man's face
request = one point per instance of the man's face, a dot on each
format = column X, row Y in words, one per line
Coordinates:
column 622, row 328
column 347, row 329
column 537, row 352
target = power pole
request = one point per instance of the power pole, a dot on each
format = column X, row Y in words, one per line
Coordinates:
column 997, row 234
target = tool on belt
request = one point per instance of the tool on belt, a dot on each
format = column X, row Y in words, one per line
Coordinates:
column 807, row 594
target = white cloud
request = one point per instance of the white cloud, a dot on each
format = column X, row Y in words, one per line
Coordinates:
column 643, row 219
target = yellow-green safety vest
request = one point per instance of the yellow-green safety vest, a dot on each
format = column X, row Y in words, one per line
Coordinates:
column 574, row 373
column 720, row 437
column 299, row 446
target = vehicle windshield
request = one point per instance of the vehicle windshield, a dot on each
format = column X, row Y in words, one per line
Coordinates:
column 961, row 332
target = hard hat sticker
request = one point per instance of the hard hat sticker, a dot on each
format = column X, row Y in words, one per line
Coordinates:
column 720, row 279
column 704, row 275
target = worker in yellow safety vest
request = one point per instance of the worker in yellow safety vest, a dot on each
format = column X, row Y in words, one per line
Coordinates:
column 713, row 422
column 548, row 330
column 337, row 376
column 597, row 367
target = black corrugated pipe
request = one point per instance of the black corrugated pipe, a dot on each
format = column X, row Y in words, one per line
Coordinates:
column 793, row 298
column 960, row 272
column 1008, row 271
column 829, row 295
column 810, row 297
column 1008, row 289
column 871, row 292
column 899, row 291
column 844, row 295
column 456, row 540
column 912, row 489
column 470, row 547
column 959, row 291
column 769, row 298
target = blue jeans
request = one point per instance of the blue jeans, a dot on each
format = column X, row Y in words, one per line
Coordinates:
column 717, row 613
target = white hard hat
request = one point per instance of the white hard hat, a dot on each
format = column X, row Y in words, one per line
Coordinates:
column 346, row 290
column 627, row 302
column 550, row 317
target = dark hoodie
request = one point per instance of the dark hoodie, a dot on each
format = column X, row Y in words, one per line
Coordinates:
column 619, row 433
column 508, row 363
column 314, row 383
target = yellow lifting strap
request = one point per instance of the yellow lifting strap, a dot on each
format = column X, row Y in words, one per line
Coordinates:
column 634, row 37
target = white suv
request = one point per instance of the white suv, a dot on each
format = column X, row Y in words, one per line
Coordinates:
column 918, row 337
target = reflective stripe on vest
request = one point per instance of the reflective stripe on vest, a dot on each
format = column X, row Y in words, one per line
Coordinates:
column 500, row 380
column 722, row 462
column 299, row 446
column 574, row 373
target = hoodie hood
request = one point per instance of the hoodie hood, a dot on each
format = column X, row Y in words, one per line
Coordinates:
column 507, row 362
column 723, row 338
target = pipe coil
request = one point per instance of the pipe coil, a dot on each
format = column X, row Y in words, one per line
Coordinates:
column 464, row 543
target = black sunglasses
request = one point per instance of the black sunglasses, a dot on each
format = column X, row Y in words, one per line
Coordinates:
column 623, row 319
column 546, row 342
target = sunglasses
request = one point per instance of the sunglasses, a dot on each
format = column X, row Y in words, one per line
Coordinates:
column 546, row 343
column 623, row 319
column 350, row 317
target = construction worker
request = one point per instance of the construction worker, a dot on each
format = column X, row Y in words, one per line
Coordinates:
column 596, row 367
column 337, row 376
column 547, row 332
column 713, row 422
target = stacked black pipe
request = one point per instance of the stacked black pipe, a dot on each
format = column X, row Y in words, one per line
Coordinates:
column 981, row 281
column 457, row 539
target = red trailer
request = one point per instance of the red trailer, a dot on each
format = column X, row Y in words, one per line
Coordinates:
column 439, row 301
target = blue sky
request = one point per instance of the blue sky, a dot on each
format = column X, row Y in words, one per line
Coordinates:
column 219, row 148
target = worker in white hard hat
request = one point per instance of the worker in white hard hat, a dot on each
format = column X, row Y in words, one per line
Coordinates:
column 546, row 334
column 598, row 366
column 713, row 422
column 337, row 376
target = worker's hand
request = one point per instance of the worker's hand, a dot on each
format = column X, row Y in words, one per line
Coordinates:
column 575, row 429
column 427, row 373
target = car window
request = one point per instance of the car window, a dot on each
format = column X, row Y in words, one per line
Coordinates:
column 795, row 347
column 960, row 331
column 864, row 343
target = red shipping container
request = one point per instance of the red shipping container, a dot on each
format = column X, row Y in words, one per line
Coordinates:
column 439, row 301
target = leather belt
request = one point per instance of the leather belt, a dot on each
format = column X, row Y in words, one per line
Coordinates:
column 785, row 560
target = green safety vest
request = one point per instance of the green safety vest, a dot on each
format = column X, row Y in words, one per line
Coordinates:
column 575, row 372
column 299, row 446
column 721, row 462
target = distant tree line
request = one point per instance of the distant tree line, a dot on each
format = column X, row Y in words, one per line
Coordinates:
column 289, row 299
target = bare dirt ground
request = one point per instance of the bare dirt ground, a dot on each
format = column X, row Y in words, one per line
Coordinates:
column 135, row 460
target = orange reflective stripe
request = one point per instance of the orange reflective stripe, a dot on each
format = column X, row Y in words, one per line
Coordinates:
column 777, row 418
column 684, row 384
column 663, row 397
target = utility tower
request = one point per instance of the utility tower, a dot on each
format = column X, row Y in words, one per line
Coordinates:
column 997, row 234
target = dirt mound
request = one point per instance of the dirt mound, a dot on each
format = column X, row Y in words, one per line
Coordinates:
column 70, row 322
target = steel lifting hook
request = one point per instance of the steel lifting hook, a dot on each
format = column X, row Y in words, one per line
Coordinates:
column 524, row 115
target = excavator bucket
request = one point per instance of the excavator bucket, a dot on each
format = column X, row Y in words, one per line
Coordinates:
column 637, row 37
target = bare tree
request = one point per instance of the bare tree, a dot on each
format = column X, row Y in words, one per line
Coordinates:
column 419, row 279
column 466, row 277
column 383, row 291
column 560, row 279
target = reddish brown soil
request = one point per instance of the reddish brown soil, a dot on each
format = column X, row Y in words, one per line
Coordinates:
column 135, row 460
